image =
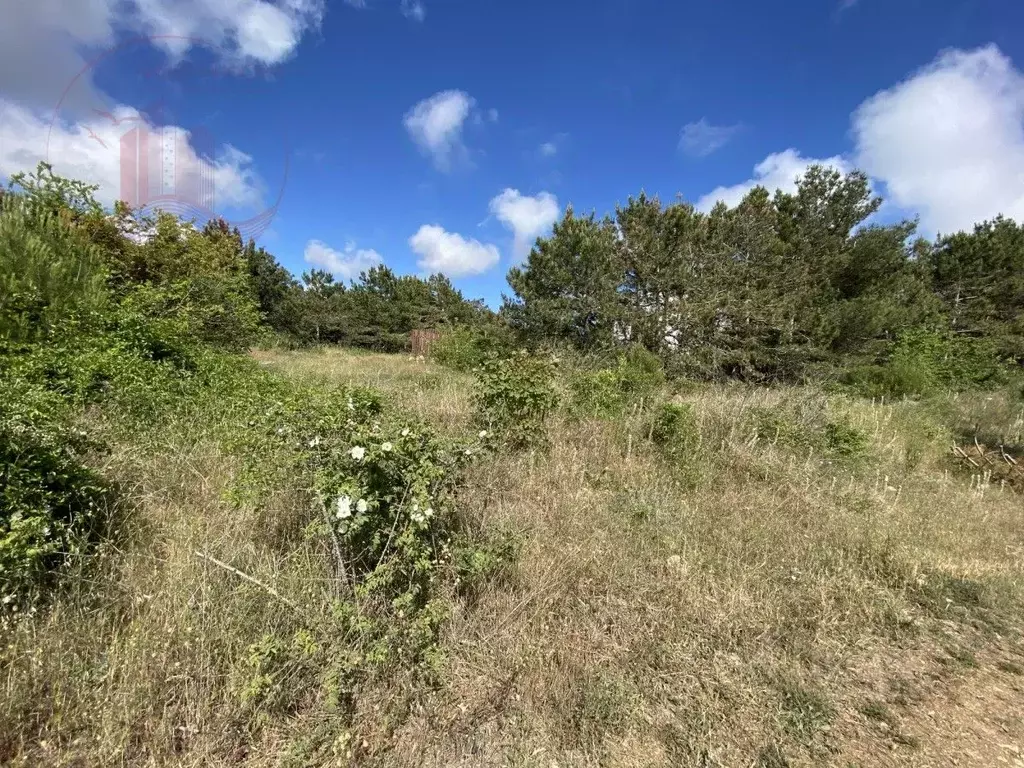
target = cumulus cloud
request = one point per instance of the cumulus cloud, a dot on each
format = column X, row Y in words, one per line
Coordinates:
column 948, row 142
column 91, row 150
column 777, row 171
column 548, row 149
column 346, row 264
column 44, row 49
column 435, row 125
column 450, row 253
column 45, row 44
column 525, row 216
column 413, row 9
column 701, row 139
column 40, row 44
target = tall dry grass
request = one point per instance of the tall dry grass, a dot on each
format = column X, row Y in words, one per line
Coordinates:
column 758, row 602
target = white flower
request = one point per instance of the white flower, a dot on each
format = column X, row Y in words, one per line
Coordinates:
column 386, row 447
column 405, row 432
column 314, row 442
column 416, row 516
column 357, row 452
column 362, row 506
column 428, row 512
column 469, row 452
column 344, row 507
column 483, row 434
column 351, row 405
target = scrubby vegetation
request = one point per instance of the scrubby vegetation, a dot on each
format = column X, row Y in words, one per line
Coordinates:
column 741, row 488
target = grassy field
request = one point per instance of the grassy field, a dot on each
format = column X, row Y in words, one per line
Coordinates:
column 815, row 580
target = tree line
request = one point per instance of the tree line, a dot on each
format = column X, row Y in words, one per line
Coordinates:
column 62, row 249
column 779, row 286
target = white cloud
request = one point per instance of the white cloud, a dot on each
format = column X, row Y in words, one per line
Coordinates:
column 777, row 171
column 526, row 217
column 492, row 115
column 948, row 142
column 435, row 124
column 702, row 138
column 44, row 49
column 548, row 149
column 45, row 44
column 244, row 31
column 450, row 253
column 39, row 49
column 90, row 150
column 346, row 264
column 414, row 9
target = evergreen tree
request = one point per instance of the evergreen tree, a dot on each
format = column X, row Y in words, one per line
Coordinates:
column 568, row 288
column 979, row 276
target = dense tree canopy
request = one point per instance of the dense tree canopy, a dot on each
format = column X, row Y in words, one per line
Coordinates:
column 770, row 287
column 775, row 287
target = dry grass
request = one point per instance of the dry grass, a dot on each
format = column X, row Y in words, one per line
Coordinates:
column 766, row 604
column 418, row 387
column 653, row 623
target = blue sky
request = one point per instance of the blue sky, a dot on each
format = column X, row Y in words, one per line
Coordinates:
column 447, row 134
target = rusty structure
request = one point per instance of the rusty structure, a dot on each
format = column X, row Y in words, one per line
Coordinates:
column 420, row 341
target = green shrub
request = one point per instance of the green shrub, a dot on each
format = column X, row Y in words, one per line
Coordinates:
column 466, row 347
column 608, row 392
column 806, row 425
column 674, row 429
column 893, row 380
column 639, row 372
column 514, row 396
column 52, row 505
column 844, row 441
column 786, row 427
column 924, row 362
column 597, row 394
column 48, row 274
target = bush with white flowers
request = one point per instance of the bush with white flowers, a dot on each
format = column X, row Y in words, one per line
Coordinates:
column 382, row 508
column 385, row 492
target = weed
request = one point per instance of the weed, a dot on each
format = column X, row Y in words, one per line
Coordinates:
column 514, row 397
column 805, row 711
column 674, row 430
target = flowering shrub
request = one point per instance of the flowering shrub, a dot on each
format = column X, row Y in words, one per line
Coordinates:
column 514, row 397
column 385, row 494
column 381, row 495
